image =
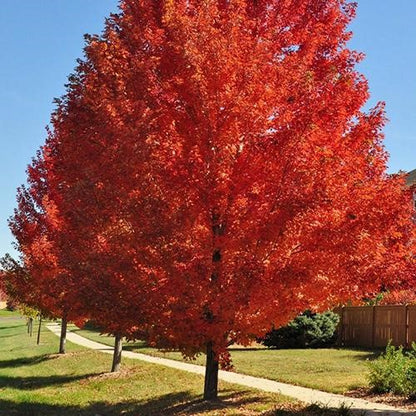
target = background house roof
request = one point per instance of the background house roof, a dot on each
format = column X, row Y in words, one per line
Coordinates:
column 411, row 178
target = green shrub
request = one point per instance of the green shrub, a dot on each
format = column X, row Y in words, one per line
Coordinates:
column 394, row 371
column 308, row 330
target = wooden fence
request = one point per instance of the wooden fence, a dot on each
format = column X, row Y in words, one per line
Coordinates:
column 375, row 326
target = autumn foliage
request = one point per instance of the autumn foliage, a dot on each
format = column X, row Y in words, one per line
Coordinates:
column 39, row 282
column 211, row 173
column 399, row 297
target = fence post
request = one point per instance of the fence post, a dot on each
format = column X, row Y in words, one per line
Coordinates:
column 373, row 328
column 340, row 337
column 407, row 327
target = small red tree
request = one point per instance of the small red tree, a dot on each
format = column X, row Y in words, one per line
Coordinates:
column 2, row 290
column 212, row 162
column 61, row 275
column 40, row 281
column 14, row 281
column 17, row 283
column 3, row 295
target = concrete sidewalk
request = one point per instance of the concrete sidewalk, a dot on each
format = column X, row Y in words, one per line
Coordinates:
column 303, row 394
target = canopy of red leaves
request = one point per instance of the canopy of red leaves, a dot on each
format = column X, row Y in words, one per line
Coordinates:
column 210, row 173
column 399, row 297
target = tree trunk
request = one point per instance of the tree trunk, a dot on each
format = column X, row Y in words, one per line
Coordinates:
column 62, row 340
column 211, row 368
column 30, row 326
column 40, row 324
column 211, row 375
column 118, row 348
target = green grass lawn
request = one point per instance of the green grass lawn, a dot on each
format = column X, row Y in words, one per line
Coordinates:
column 4, row 313
column 333, row 370
column 34, row 381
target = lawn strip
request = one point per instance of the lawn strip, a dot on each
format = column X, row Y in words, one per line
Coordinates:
column 36, row 381
column 332, row 370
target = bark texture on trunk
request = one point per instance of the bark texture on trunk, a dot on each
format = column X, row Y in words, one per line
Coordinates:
column 211, row 375
column 62, row 339
column 118, row 348
column 30, row 326
column 211, row 368
column 39, row 327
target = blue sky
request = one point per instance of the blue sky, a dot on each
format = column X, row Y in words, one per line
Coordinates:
column 40, row 41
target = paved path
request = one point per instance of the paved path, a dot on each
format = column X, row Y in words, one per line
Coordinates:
column 301, row 393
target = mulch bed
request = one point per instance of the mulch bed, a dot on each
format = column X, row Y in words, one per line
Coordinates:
column 385, row 398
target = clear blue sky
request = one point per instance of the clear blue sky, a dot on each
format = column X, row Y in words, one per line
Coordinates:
column 40, row 41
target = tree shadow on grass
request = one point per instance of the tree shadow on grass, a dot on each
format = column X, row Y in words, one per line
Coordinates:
column 368, row 357
column 14, row 336
column 228, row 399
column 7, row 323
column 231, row 349
column 135, row 346
column 367, row 354
column 173, row 404
column 18, row 324
column 128, row 408
column 32, row 383
column 25, row 361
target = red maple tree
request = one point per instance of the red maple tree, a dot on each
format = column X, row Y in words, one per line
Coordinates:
column 58, row 279
column 13, row 279
column 217, row 176
column 39, row 280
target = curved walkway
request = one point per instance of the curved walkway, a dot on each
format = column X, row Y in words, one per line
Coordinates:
column 300, row 393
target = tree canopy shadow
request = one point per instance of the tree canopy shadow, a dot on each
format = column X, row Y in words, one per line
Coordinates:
column 18, row 324
column 4, row 320
column 31, row 383
column 128, row 408
column 367, row 354
column 12, row 336
column 248, row 348
column 172, row 404
column 25, row 361
column 368, row 357
column 135, row 347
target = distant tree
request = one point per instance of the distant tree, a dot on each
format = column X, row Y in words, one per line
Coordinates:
column 15, row 280
column 21, row 294
column 72, row 276
column 30, row 314
column 2, row 290
column 39, row 280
